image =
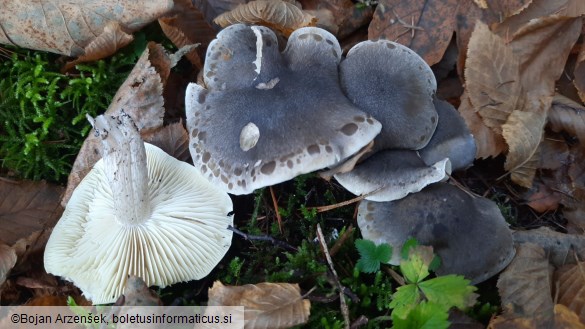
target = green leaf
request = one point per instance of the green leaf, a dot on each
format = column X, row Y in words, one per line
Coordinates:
column 371, row 255
column 410, row 243
column 404, row 300
column 415, row 268
column 449, row 291
column 425, row 315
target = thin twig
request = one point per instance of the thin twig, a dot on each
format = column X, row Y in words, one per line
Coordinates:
column 274, row 241
column 345, row 203
column 339, row 243
column 344, row 309
column 275, row 204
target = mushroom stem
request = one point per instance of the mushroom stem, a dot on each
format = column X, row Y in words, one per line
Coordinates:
column 124, row 159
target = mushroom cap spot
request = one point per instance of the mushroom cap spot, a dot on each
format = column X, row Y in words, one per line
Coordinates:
column 240, row 57
column 306, row 108
column 452, row 139
column 394, row 85
column 469, row 234
column 310, row 48
column 396, row 173
column 184, row 238
column 249, row 136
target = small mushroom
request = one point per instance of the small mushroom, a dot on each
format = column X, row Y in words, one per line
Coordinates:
column 468, row 233
column 392, row 174
column 451, row 139
column 396, row 86
column 265, row 117
column 138, row 212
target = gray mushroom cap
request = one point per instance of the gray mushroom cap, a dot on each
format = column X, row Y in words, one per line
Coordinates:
column 452, row 139
column 469, row 234
column 392, row 174
column 394, row 85
column 267, row 116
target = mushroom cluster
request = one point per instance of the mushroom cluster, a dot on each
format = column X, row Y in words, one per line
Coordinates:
column 139, row 212
column 261, row 117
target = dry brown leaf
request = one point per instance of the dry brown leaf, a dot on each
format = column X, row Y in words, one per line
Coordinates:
column 492, row 77
column 570, row 288
column 107, row 43
column 140, row 96
column 7, row 261
column 267, row 305
column 511, row 322
column 579, row 73
column 542, row 198
column 137, row 293
column 543, row 46
column 566, row 318
column 340, row 17
column 525, row 286
column 424, row 26
column 173, row 139
column 537, row 9
column 523, row 133
column 280, row 15
column 559, row 247
column 27, row 207
column 569, row 116
column 488, row 142
column 67, row 27
column 186, row 27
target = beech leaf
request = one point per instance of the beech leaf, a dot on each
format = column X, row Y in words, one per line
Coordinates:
column 424, row 26
column 27, row 207
column 491, row 77
column 569, row 116
column 525, row 285
column 280, row 15
column 68, row 27
column 570, row 284
column 267, row 305
column 523, row 132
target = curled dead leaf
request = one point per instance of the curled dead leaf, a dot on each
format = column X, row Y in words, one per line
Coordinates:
column 267, row 305
column 569, row 116
column 492, row 77
column 280, row 15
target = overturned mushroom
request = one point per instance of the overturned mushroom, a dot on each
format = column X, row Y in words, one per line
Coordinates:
column 468, row 233
column 265, row 117
column 138, row 212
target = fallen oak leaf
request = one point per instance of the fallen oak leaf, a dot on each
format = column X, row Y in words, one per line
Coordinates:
column 267, row 305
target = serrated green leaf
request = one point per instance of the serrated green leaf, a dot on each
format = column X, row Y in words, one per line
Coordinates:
column 371, row 255
column 449, row 291
column 410, row 243
column 415, row 268
column 424, row 316
column 404, row 300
